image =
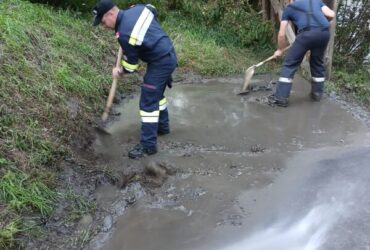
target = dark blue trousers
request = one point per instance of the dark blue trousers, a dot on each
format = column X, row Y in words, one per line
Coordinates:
column 315, row 40
column 153, row 104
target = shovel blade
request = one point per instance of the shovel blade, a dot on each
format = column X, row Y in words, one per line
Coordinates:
column 247, row 79
column 101, row 130
column 243, row 92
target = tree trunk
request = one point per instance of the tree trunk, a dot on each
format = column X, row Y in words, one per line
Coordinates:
column 332, row 4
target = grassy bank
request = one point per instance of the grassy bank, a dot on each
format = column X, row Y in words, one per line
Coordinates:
column 54, row 71
column 211, row 52
column 354, row 83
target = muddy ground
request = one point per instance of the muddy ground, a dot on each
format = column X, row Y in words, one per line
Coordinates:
column 195, row 180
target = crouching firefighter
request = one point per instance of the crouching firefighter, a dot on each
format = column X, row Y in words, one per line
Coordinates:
column 311, row 18
column 141, row 37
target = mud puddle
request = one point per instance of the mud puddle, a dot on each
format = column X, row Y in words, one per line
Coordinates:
column 233, row 169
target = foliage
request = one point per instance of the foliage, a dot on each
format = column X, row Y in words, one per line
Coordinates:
column 86, row 6
column 207, row 50
column 23, row 192
column 10, row 226
column 45, row 76
column 78, row 205
column 235, row 20
column 352, row 32
column 356, row 83
column 54, row 71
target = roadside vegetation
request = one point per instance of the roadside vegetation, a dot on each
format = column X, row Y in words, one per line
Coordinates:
column 351, row 63
column 55, row 75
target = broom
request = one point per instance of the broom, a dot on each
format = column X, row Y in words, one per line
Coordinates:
column 250, row 72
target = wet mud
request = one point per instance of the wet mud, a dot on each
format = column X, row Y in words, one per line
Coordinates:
column 235, row 171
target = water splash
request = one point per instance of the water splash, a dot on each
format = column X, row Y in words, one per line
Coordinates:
column 309, row 233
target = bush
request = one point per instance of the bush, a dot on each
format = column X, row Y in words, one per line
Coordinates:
column 86, row 6
column 352, row 33
column 236, row 20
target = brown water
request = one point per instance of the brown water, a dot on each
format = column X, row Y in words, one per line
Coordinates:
column 242, row 164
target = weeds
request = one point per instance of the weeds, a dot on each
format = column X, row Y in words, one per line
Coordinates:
column 356, row 84
column 82, row 238
column 23, row 193
column 41, row 68
column 209, row 51
column 8, row 232
column 78, row 206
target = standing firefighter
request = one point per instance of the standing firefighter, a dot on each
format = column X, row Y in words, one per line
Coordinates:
column 141, row 37
column 311, row 19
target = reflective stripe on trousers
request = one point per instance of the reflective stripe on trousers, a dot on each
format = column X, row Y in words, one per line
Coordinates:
column 153, row 104
column 315, row 41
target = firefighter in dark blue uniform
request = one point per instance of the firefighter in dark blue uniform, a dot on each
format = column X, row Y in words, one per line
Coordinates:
column 311, row 20
column 141, row 37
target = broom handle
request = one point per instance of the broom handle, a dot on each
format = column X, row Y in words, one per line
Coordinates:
column 112, row 91
column 272, row 57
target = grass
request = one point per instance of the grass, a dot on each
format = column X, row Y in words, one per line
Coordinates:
column 48, row 59
column 209, row 51
column 356, row 84
column 41, row 69
column 10, row 227
column 22, row 193
column 78, row 206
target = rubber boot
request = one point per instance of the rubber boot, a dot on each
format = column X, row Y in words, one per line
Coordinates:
column 317, row 90
column 282, row 92
column 163, row 131
column 139, row 151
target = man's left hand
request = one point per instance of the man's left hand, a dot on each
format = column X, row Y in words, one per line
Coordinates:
column 116, row 72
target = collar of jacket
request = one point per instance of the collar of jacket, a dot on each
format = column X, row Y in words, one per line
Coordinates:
column 118, row 21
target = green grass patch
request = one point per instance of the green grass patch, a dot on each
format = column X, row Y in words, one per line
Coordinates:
column 48, row 57
column 24, row 193
column 355, row 83
column 8, row 231
column 78, row 206
column 209, row 51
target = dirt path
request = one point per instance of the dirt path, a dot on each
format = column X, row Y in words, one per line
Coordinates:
column 225, row 155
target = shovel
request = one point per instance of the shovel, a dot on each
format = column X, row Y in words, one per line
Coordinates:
column 250, row 72
column 101, row 128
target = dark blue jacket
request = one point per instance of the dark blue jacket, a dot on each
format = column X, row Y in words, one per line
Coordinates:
column 141, row 36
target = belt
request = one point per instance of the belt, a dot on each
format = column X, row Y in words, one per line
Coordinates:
column 314, row 28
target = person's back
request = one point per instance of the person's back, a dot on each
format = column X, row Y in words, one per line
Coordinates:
column 306, row 14
column 138, row 28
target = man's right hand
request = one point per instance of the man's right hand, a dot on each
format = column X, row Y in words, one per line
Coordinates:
column 278, row 53
column 116, row 72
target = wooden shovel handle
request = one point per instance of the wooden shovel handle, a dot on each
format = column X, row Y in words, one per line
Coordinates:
column 112, row 91
column 272, row 57
column 268, row 59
